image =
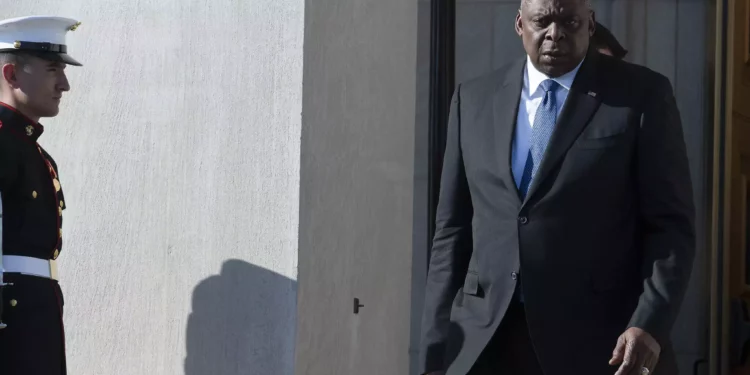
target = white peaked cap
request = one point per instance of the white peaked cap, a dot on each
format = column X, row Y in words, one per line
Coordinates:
column 42, row 36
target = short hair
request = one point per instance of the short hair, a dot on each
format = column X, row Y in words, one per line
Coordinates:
column 12, row 57
column 524, row 2
column 19, row 59
column 603, row 38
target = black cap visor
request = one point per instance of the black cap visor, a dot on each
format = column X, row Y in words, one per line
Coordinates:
column 56, row 57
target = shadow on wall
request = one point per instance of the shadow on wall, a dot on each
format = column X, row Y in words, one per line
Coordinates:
column 242, row 322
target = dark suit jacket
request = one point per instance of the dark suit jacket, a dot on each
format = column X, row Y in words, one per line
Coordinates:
column 604, row 240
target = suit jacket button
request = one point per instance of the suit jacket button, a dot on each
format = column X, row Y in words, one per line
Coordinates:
column 523, row 219
column 514, row 275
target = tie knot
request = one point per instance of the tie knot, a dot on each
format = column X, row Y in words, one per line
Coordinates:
column 549, row 85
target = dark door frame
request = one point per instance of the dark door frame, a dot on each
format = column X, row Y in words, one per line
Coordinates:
column 718, row 350
column 442, row 76
column 441, row 87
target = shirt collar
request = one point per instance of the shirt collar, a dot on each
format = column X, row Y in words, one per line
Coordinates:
column 534, row 77
column 19, row 123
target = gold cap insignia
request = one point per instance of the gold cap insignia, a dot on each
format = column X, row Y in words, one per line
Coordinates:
column 17, row 45
column 74, row 27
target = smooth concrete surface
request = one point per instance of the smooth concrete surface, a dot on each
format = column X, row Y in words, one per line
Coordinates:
column 669, row 36
column 421, row 241
column 178, row 150
column 356, row 187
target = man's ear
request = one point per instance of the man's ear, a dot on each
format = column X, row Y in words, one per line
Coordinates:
column 9, row 75
column 592, row 23
column 519, row 24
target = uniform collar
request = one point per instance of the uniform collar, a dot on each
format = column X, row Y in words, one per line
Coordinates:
column 19, row 123
column 535, row 77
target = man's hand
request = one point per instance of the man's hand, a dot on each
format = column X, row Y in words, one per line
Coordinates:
column 635, row 350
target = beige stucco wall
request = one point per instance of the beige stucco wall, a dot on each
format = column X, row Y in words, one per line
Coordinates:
column 179, row 157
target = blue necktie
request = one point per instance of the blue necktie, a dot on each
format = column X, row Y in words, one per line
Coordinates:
column 544, row 124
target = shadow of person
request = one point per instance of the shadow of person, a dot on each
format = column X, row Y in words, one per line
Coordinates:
column 242, row 322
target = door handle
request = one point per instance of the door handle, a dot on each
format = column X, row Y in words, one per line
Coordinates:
column 739, row 345
column 357, row 305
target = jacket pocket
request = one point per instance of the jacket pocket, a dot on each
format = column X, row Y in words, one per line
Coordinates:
column 471, row 285
column 603, row 136
column 597, row 143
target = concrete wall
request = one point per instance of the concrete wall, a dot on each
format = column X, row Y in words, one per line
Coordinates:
column 670, row 36
column 356, row 186
column 179, row 156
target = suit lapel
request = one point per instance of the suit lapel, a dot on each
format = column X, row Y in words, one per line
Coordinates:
column 578, row 109
column 505, row 111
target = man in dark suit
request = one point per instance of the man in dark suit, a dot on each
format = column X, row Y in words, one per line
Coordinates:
column 565, row 226
column 33, row 57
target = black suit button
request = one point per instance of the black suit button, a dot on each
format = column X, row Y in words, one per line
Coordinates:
column 514, row 275
column 523, row 219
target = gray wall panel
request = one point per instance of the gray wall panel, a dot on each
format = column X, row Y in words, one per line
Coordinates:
column 357, row 179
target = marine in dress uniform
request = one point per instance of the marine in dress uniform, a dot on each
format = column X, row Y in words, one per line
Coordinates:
column 33, row 56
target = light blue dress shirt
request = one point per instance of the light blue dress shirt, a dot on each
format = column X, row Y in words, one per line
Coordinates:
column 531, row 98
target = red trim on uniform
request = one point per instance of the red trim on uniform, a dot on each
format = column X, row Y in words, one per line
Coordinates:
column 36, row 124
column 38, row 128
column 53, row 175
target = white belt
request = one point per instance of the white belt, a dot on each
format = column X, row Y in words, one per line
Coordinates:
column 30, row 266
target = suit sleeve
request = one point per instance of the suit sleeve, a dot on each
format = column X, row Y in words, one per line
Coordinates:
column 667, row 213
column 451, row 248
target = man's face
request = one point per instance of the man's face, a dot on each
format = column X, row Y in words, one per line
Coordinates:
column 39, row 86
column 555, row 33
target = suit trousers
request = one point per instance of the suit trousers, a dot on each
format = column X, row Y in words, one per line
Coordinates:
column 510, row 351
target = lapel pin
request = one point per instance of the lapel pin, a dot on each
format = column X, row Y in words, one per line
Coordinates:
column 592, row 94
